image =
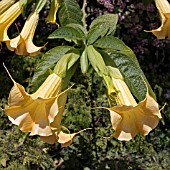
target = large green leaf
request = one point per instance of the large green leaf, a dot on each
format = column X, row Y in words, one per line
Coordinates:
column 69, row 33
column 133, row 75
column 69, row 12
column 48, row 61
column 102, row 26
column 114, row 43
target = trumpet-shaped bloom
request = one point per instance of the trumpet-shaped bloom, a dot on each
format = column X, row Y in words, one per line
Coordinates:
column 7, row 18
column 51, row 18
column 34, row 113
column 128, row 118
column 23, row 43
column 163, row 31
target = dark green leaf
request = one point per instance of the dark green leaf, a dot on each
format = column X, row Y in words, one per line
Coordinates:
column 48, row 61
column 101, row 26
column 114, row 43
column 133, row 75
column 69, row 12
column 79, row 28
column 68, row 33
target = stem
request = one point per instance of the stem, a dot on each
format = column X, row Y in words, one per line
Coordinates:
column 93, row 118
column 84, row 13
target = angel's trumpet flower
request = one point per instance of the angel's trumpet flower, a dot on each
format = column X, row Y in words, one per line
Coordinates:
column 163, row 31
column 23, row 43
column 129, row 118
column 35, row 112
column 51, row 18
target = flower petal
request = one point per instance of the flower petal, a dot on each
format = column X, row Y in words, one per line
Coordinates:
column 33, row 113
column 65, row 139
column 7, row 18
column 163, row 31
column 127, row 121
column 23, row 43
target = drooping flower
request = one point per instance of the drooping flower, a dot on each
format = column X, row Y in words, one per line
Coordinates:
column 129, row 118
column 51, row 18
column 7, row 18
column 163, row 31
column 23, row 43
column 34, row 113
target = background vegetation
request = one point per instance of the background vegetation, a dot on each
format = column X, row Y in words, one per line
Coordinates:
column 90, row 150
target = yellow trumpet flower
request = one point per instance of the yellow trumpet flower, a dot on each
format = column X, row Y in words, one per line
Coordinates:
column 5, row 4
column 7, row 18
column 163, row 31
column 23, row 43
column 129, row 118
column 34, row 113
column 51, row 18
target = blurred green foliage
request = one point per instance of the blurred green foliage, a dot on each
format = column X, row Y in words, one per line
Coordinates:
column 94, row 148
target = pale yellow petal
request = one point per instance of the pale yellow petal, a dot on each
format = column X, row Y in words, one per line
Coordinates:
column 148, row 117
column 61, row 103
column 23, row 43
column 36, row 112
column 127, row 121
column 124, row 96
column 124, row 126
column 65, row 139
column 50, row 87
column 17, row 95
column 163, row 31
column 7, row 18
column 13, row 43
column 5, row 4
column 163, row 6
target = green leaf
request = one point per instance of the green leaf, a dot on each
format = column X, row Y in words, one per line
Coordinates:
column 79, row 28
column 102, row 26
column 84, row 64
column 114, row 43
column 131, row 71
column 96, row 60
column 66, row 62
column 48, row 61
column 68, row 33
column 69, row 12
